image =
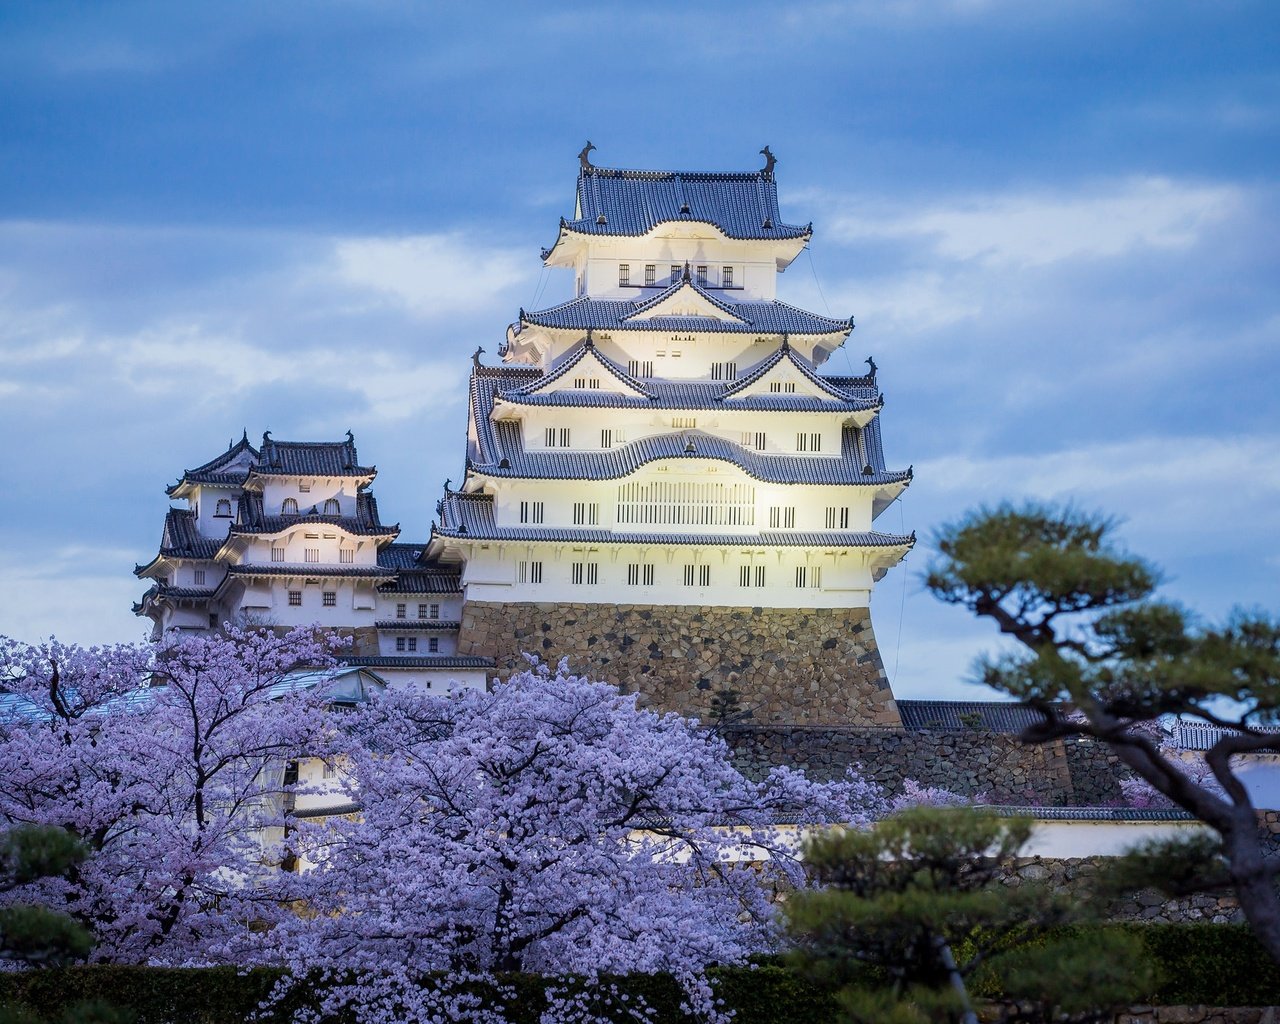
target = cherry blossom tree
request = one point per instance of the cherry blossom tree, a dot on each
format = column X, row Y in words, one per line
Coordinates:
column 551, row 825
column 166, row 760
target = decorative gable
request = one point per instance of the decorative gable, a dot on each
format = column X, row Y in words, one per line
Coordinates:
column 686, row 301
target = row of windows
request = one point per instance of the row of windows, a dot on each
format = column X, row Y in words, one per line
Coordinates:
column 561, row 437
column 643, row 574
column 672, row 503
column 346, row 556
column 677, row 272
column 425, row 611
column 329, row 598
column 289, row 507
column 410, row 643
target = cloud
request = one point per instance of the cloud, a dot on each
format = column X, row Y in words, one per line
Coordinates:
column 1033, row 228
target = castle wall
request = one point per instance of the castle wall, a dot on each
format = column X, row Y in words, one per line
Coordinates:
column 996, row 766
column 809, row 666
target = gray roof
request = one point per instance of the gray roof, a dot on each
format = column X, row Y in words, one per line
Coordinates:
column 419, row 625
column 471, row 515
column 846, row 394
column 416, row 575
column 620, row 202
column 421, row 661
column 251, row 518
column 312, row 569
column 215, row 470
column 1092, row 813
column 310, row 458
column 996, row 716
column 182, row 539
column 750, row 317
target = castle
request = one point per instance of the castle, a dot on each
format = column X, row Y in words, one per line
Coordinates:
column 659, row 484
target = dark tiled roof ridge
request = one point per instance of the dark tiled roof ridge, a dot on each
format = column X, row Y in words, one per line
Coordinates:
column 645, row 305
column 641, row 174
column 572, row 360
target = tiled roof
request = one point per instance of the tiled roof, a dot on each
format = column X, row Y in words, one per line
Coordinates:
column 215, row 470
column 310, row 458
column 1092, row 813
column 471, row 515
column 427, row 661
column 182, row 539
column 252, row 519
column 1202, row 735
column 622, row 202
column 431, row 582
column 312, row 569
column 996, row 716
column 418, row 625
column 401, row 555
column 501, row 454
column 846, row 394
column 770, row 317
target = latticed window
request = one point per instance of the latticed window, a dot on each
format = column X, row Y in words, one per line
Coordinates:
column 639, row 574
column 751, row 576
column 347, row 555
column 675, row 272
column 532, row 511
column 726, row 277
column 400, row 644
column 699, row 573
column 199, row 577
column 295, row 598
column 808, row 576
column 330, row 599
column 640, row 367
column 331, row 507
column 289, row 507
column 780, row 386
column 277, row 554
column 837, row 518
column 433, row 645
column 624, row 274
column 808, row 442
column 702, row 274
column 650, row 274
column 782, row 517
column 413, row 643
column 724, row 371
column 587, row 573
column 402, row 611
column 606, row 438
column 686, row 503
column 435, row 611
column 586, row 513
column 530, row 572
column 312, row 554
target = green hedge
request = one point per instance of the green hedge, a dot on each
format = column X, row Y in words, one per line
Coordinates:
column 1217, row 965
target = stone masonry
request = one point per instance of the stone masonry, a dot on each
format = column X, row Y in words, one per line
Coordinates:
column 793, row 666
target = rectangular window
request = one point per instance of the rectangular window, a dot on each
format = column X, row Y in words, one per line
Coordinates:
column 675, row 272
column 650, row 274
column 782, row 517
column 402, row 611
column 704, row 575
column 532, row 511
column 606, row 438
column 837, row 518
column 587, row 573
column 726, row 277
column 295, row 599
column 744, row 576
column 330, row 599
column 304, row 488
column 640, row 367
column 624, row 274
column 413, row 643
column 754, row 440
column 312, row 554
column 684, row 422
column 639, row 574
column 811, row 442
column 759, row 575
column 564, row 437
column 435, row 611
column 585, row 383
column 422, row 611
column 781, row 386
column 400, row 645
column 700, row 573
column 724, row 371
column 586, row 513
column 433, row 645
column 702, row 274
column 277, row 554
column 199, row 574
column 530, row 572
column 347, row 555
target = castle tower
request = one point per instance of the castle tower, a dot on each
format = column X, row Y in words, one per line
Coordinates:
column 659, row 484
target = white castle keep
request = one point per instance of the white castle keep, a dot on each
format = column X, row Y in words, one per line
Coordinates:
column 659, row 484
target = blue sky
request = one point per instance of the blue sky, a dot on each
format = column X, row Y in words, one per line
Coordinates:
column 1054, row 223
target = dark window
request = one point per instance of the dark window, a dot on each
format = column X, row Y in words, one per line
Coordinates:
column 295, row 598
column 399, row 643
column 331, row 507
column 401, row 611
column 223, row 507
column 650, row 274
column 330, row 599
column 289, row 507
column 624, row 273
column 726, row 277
column 702, row 273
column 433, row 645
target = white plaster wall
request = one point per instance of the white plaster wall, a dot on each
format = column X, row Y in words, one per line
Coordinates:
column 328, row 539
column 447, row 643
column 754, row 262
column 276, row 489
column 450, row 606
column 1063, row 839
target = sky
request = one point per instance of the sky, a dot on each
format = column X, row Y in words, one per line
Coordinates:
column 1055, row 225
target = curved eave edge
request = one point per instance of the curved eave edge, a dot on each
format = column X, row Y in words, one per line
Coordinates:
column 785, row 233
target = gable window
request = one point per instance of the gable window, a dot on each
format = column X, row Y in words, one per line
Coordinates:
column 702, row 274
column 295, row 599
column 650, row 274
column 199, row 577
column 223, row 508
column 531, row 511
column 778, row 386
column 684, row 422
column 312, row 554
column 584, row 573
column 724, row 371
column 624, row 274
column 530, row 572
column 330, row 599
column 402, row 611
column 331, row 507
column 586, row 513
column 583, row 383
column 277, row 554
column 347, row 555
column 726, row 277
column 289, row 507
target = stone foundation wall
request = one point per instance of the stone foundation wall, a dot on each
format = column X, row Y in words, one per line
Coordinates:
column 811, row 666
column 995, row 766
